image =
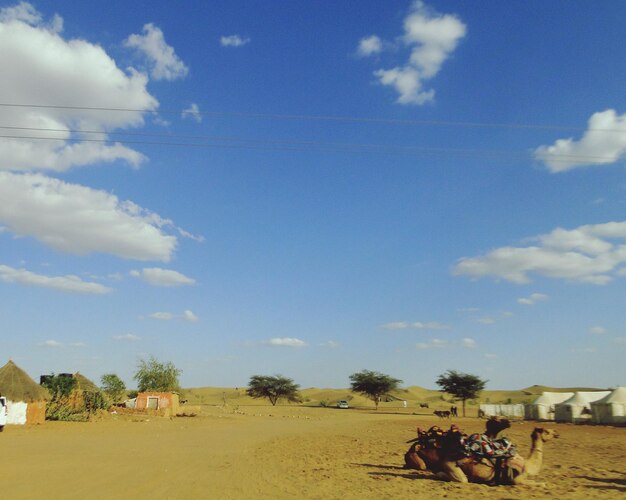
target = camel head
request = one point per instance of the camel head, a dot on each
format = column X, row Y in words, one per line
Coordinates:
column 496, row 425
column 543, row 434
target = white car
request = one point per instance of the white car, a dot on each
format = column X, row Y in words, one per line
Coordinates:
column 342, row 404
column 3, row 412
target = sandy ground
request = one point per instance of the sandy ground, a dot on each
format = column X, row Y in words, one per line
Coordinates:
column 282, row 452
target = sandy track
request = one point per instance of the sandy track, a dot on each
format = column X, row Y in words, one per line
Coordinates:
column 283, row 452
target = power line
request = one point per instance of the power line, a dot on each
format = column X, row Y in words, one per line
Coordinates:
column 437, row 123
column 308, row 146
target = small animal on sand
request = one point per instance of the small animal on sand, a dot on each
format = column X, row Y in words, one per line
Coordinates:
column 442, row 413
column 423, row 405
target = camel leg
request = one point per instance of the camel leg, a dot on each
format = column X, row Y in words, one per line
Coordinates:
column 452, row 472
column 413, row 461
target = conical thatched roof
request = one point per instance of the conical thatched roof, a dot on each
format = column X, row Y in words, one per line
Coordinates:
column 84, row 384
column 16, row 385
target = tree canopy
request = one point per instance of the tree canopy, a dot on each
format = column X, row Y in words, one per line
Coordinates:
column 273, row 388
column 155, row 376
column 113, row 386
column 374, row 385
column 461, row 385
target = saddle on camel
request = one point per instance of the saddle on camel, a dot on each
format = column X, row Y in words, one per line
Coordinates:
column 437, row 450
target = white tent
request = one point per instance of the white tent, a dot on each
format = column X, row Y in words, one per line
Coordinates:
column 542, row 408
column 577, row 408
column 503, row 410
column 611, row 409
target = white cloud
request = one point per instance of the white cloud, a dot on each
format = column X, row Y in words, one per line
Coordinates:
column 331, row 344
column 369, row 46
column 46, row 68
column 532, row 299
column 193, row 111
column 80, row 220
column 51, row 343
column 67, row 283
column 285, row 342
column 490, row 355
column 162, row 316
column 189, row 316
column 234, row 41
column 487, row 320
column 603, row 143
column 128, row 337
column 162, row 277
column 431, row 38
column 417, row 325
column 466, row 343
column 597, row 330
column 586, row 254
column 620, row 340
column 165, row 64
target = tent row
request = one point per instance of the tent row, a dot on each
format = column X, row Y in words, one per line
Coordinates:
column 600, row 407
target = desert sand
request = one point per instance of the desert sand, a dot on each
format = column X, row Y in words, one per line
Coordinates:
column 282, row 452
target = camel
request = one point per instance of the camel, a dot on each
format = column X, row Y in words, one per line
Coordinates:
column 511, row 470
column 428, row 449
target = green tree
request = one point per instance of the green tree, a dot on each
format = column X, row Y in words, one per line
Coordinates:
column 153, row 375
column 461, row 385
column 374, row 385
column 273, row 388
column 113, row 386
column 59, row 385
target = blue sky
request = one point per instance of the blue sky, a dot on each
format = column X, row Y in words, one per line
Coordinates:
column 315, row 188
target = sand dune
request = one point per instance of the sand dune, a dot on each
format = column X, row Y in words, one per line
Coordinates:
column 281, row 452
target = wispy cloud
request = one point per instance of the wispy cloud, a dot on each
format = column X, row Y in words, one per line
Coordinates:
column 533, row 299
column 163, row 61
column 162, row 277
column 285, row 342
column 67, row 283
column 465, row 343
column 417, row 325
column 234, row 41
column 597, row 330
column 193, row 111
column 128, row 337
column 51, row 343
column 369, row 46
column 585, row 254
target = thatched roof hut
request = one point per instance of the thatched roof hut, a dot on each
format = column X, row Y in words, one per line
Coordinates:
column 26, row 401
column 84, row 384
column 16, row 385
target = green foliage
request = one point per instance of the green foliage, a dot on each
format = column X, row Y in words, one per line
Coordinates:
column 132, row 394
column 155, row 376
column 273, row 388
column 59, row 385
column 113, row 386
column 462, row 385
column 374, row 385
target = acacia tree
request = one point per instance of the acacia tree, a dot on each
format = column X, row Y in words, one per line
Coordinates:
column 273, row 388
column 374, row 385
column 113, row 386
column 461, row 385
column 153, row 375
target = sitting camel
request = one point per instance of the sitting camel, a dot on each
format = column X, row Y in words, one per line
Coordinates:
column 429, row 448
column 512, row 470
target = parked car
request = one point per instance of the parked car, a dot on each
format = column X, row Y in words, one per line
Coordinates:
column 3, row 412
column 342, row 404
